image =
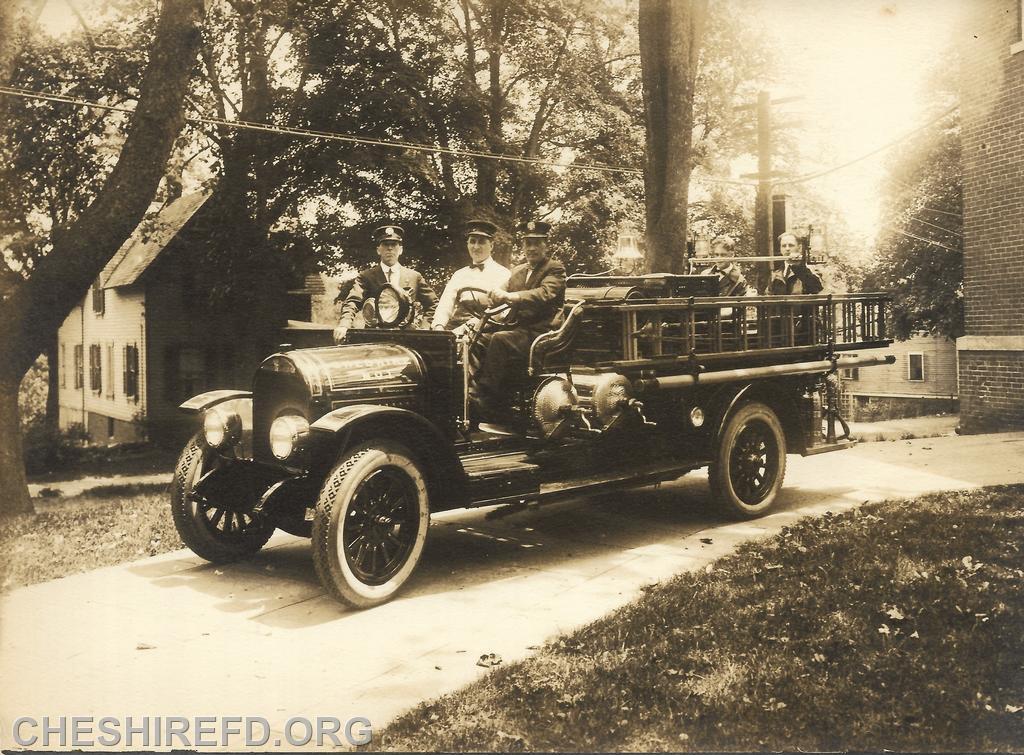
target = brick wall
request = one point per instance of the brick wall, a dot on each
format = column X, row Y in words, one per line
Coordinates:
column 992, row 112
column 992, row 387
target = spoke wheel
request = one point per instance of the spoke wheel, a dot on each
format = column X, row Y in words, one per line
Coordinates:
column 371, row 524
column 750, row 462
column 211, row 529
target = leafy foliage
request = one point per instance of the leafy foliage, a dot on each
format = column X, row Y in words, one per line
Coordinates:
column 920, row 243
column 54, row 157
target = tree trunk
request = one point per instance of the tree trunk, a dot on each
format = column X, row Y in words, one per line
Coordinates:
column 487, row 170
column 52, row 394
column 670, row 37
column 14, row 498
column 30, row 317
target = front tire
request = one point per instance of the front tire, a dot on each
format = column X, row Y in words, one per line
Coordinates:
column 371, row 524
column 214, row 532
column 750, row 462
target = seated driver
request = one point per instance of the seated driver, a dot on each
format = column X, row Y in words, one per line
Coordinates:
column 535, row 293
column 483, row 273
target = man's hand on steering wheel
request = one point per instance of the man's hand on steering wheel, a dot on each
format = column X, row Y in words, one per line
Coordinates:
column 500, row 296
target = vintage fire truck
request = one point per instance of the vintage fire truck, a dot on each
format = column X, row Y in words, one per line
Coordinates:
column 645, row 379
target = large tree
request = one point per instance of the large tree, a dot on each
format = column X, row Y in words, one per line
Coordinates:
column 80, row 249
column 670, row 41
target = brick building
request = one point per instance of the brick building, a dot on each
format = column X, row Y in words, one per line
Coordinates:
column 991, row 354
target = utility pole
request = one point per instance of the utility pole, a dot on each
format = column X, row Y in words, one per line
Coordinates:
column 763, row 231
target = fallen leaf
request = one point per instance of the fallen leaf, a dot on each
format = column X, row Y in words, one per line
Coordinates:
column 487, row 660
column 916, row 635
column 884, row 629
column 1014, row 708
column 895, row 614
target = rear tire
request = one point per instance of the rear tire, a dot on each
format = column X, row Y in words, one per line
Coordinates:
column 750, row 462
column 371, row 524
column 213, row 532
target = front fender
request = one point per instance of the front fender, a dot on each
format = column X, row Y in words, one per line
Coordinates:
column 239, row 402
column 204, row 401
column 360, row 423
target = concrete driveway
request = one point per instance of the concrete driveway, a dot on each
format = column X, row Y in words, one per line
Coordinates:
column 172, row 635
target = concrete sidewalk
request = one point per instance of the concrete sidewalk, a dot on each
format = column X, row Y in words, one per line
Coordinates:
column 172, row 635
column 68, row 488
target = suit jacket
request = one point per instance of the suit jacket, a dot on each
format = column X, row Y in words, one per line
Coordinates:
column 370, row 281
column 801, row 280
column 541, row 293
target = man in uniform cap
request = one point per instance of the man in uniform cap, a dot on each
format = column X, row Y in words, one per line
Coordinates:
column 536, row 293
column 370, row 281
column 483, row 272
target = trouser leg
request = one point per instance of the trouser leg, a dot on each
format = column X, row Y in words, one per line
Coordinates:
column 503, row 365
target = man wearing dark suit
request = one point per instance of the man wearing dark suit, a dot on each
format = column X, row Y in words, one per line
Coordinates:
column 535, row 293
column 370, row 281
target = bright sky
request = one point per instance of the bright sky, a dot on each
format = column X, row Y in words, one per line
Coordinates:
column 861, row 67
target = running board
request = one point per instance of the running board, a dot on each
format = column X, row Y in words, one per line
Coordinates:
column 548, row 492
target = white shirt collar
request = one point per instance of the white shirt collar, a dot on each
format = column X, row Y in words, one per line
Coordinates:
column 395, row 268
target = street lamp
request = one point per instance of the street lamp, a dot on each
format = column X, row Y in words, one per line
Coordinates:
column 816, row 243
column 628, row 257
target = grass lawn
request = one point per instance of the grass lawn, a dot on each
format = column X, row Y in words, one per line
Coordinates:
column 108, row 525
column 896, row 626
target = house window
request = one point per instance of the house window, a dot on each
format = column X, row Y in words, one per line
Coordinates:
column 915, row 367
column 851, row 373
column 95, row 368
column 63, row 365
column 79, row 366
column 131, row 371
column 97, row 298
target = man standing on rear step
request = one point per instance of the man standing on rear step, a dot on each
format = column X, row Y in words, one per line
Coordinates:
column 370, row 281
column 535, row 294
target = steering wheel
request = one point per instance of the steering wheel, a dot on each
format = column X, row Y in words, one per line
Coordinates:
column 496, row 315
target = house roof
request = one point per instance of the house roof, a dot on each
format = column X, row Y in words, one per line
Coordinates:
column 149, row 239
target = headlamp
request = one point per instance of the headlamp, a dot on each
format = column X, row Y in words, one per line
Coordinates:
column 392, row 306
column 222, row 428
column 288, row 434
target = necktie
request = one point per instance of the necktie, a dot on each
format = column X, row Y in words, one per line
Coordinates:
column 477, row 265
column 388, row 274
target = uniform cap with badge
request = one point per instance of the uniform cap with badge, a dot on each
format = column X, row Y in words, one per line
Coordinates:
column 533, row 229
column 388, row 233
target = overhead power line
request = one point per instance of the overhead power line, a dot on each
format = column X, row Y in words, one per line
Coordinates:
column 866, row 155
column 351, row 138
column 433, row 149
column 932, row 242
